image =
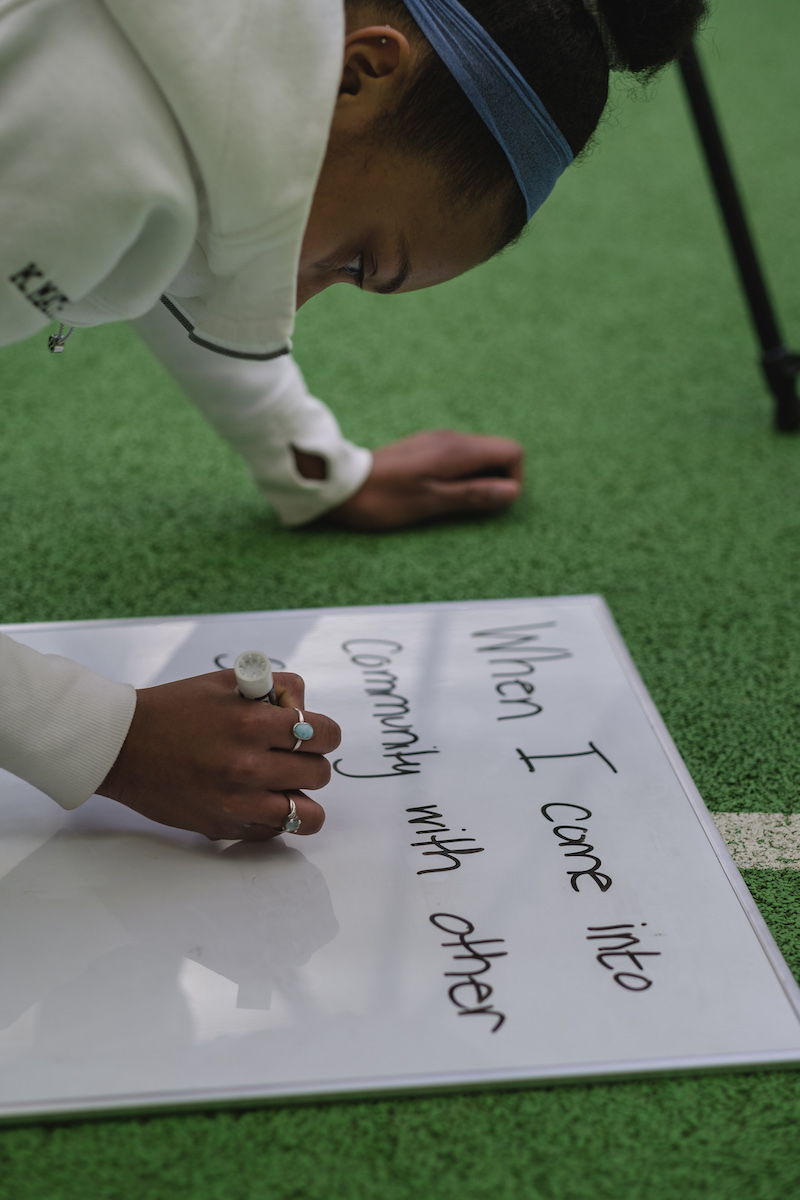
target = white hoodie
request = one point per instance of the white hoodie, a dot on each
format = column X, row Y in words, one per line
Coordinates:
column 151, row 149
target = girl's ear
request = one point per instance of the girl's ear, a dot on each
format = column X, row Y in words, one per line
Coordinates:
column 377, row 62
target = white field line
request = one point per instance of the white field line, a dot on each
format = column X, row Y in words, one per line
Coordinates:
column 761, row 839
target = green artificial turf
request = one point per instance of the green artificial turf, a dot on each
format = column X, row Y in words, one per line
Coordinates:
column 614, row 344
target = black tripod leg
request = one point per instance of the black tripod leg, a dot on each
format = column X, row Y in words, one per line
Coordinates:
column 781, row 366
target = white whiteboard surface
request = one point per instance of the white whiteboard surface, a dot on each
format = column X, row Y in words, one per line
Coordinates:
column 517, row 882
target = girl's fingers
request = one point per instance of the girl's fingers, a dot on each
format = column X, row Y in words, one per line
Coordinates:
column 285, row 771
column 311, row 814
column 269, row 727
column 200, row 757
column 325, row 734
column 273, row 811
column 290, row 689
column 484, row 495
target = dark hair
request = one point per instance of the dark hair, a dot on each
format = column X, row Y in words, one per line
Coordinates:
column 557, row 47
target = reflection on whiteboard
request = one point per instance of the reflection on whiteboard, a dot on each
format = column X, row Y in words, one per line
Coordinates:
column 517, row 882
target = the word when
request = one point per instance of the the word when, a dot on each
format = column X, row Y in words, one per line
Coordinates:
column 391, row 710
column 471, row 994
column 522, row 658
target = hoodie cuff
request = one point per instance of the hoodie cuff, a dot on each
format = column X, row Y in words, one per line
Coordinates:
column 61, row 725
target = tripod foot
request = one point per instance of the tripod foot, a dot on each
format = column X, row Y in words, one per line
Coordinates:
column 782, row 370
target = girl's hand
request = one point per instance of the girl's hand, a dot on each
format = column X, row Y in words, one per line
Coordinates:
column 438, row 473
column 198, row 756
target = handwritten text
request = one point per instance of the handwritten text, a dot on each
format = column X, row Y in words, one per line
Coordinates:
column 470, row 994
column 515, row 688
column 391, row 710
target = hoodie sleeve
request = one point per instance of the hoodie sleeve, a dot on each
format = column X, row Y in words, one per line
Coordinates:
column 98, row 205
column 264, row 410
column 61, row 725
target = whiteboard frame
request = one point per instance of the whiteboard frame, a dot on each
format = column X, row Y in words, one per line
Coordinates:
column 499, row 1078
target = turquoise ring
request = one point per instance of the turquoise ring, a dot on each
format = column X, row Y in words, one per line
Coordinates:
column 292, row 822
column 301, row 730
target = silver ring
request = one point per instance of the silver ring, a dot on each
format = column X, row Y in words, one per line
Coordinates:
column 302, row 731
column 292, row 822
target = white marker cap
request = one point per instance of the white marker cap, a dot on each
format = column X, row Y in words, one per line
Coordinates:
column 253, row 674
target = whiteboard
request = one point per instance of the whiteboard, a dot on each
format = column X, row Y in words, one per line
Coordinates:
column 517, row 882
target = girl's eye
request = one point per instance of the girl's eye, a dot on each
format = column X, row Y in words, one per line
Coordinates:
column 355, row 267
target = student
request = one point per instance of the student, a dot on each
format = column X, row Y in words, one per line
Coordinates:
column 202, row 170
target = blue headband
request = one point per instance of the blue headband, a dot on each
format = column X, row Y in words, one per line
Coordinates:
column 533, row 144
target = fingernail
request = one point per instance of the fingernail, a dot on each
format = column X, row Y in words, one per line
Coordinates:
column 504, row 490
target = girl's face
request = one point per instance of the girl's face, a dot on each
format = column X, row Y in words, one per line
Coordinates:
column 378, row 219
